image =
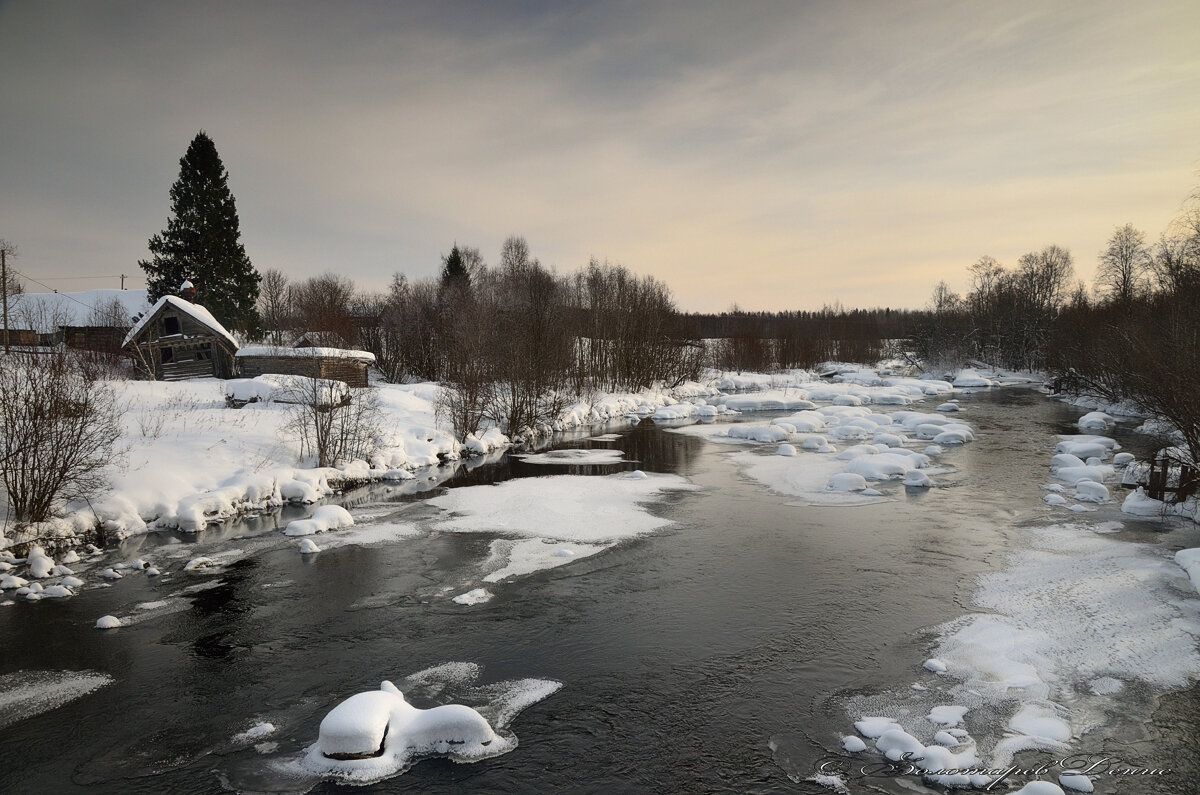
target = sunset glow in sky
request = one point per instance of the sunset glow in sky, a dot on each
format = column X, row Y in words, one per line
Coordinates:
column 780, row 155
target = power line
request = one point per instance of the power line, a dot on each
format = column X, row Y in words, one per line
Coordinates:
column 48, row 287
column 72, row 278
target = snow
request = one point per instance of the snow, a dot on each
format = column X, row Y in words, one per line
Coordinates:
column 324, row 518
column 306, row 353
column 575, row 456
column 49, row 310
column 853, row 744
column 476, row 596
column 291, row 389
column 255, row 732
column 935, row 665
column 1077, row 782
column 873, row 728
column 377, row 734
column 970, row 378
column 197, row 313
column 1091, row 491
column 1138, row 503
column 1039, row 788
column 1189, row 561
column 1096, row 421
column 947, row 715
column 563, row 507
column 108, row 622
column 26, row 694
column 308, row 547
column 508, row 558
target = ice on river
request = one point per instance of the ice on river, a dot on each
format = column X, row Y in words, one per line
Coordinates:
column 29, row 693
column 585, row 510
column 575, row 456
column 1070, row 617
column 517, row 557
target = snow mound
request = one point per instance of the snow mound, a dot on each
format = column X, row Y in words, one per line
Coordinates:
column 308, row 547
column 1138, row 503
column 326, row 517
column 1096, row 421
column 108, row 622
column 473, row 597
column 377, row 734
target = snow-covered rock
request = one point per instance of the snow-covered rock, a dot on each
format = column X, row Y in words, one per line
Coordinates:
column 108, row 622
column 324, row 518
column 375, row 733
column 1138, row 503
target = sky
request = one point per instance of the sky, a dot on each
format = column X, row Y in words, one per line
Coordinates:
column 772, row 155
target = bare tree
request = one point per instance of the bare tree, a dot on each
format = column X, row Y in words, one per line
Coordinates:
column 111, row 313
column 333, row 422
column 322, row 303
column 58, row 428
column 274, row 304
column 1124, row 265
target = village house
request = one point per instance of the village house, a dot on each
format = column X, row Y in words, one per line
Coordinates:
column 337, row 364
column 178, row 339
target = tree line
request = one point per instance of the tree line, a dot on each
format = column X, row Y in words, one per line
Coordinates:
column 1134, row 335
column 513, row 342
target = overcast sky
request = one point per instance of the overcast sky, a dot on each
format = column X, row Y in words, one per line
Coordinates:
column 778, row 155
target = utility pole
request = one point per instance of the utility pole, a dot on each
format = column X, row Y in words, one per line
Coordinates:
column 122, row 281
column 4, row 289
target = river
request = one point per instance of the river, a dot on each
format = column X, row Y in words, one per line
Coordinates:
column 724, row 654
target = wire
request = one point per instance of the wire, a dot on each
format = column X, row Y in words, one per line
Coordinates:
column 48, row 287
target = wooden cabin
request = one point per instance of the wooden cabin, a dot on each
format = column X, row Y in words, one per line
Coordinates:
column 177, row 339
column 337, row 364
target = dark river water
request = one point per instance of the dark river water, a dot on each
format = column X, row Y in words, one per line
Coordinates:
column 715, row 656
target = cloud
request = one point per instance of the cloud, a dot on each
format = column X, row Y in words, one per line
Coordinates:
column 776, row 155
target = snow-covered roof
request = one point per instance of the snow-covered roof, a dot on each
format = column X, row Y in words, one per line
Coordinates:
column 195, row 311
column 48, row 311
column 307, row 353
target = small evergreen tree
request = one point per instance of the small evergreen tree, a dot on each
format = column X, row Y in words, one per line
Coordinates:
column 202, row 243
column 454, row 269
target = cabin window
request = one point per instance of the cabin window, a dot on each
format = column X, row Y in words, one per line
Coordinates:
column 170, row 325
column 168, row 355
column 204, row 354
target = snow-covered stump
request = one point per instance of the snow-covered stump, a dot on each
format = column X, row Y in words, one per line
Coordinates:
column 374, row 734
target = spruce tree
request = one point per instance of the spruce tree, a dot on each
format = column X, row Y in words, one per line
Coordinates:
column 202, row 243
column 454, row 269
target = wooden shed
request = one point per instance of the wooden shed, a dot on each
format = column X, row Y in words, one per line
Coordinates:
column 177, row 339
column 337, row 364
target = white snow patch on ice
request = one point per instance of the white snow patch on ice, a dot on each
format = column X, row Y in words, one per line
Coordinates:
column 576, row 456
column 28, row 693
column 570, row 508
column 519, row 557
column 476, row 596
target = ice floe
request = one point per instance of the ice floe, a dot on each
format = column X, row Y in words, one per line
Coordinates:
column 564, row 507
column 28, row 693
column 575, row 456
